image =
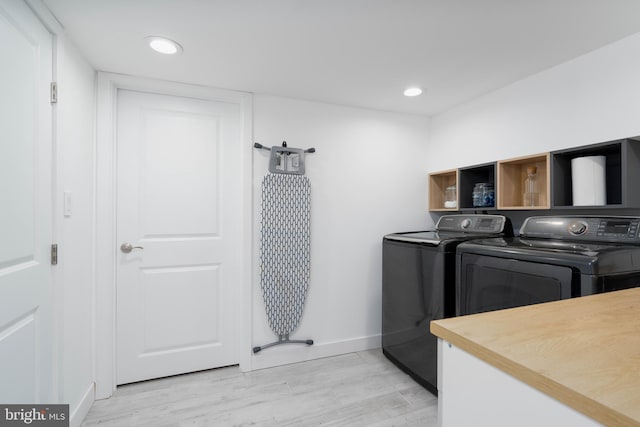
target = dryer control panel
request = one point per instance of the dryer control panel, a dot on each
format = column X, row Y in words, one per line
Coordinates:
column 620, row 229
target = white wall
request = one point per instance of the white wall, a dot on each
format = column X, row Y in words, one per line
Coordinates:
column 591, row 99
column 368, row 178
column 74, row 146
column 75, row 142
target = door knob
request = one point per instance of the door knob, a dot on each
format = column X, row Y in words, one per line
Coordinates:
column 127, row 247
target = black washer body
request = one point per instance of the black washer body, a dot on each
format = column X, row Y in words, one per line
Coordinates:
column 418, row 286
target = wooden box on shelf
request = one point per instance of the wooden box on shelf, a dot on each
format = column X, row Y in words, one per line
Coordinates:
column 438, row 183
column 622, row 173
column 512, row 174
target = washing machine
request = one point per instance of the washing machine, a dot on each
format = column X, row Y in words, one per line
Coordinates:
column 418, row 285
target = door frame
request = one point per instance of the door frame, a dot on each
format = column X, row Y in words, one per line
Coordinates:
column 105, row 207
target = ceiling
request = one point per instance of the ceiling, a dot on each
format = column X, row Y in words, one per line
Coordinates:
column 360, row 53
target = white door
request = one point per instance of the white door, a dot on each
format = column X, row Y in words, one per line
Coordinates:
column 26, row 334
column 179, row 201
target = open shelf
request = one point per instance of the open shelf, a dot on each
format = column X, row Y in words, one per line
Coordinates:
column 553, row 179
column 511, row 176
column 438, row 183
column 468, row 177
column 622, row 172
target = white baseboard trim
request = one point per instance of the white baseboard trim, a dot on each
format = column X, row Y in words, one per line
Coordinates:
column 80, row 412
column 294, row 353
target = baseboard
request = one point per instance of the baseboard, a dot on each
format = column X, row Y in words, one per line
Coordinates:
column 294, row 353
column 80, row 412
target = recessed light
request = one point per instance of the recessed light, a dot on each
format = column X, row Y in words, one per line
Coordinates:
column 412, row 91
column 163, row 45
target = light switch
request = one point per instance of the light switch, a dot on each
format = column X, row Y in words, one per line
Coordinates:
column 67, row 203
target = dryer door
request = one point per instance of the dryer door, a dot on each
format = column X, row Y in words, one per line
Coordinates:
column 488, row 283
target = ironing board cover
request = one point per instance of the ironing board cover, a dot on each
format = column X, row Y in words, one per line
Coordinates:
column 285, row 249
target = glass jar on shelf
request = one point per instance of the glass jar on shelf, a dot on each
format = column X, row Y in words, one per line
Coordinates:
column 451, row 197
column 530, row 197
column 483, row 195
column 488, row 196
column 477, row 194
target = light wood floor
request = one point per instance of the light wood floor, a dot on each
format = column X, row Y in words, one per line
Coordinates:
column 357, row 389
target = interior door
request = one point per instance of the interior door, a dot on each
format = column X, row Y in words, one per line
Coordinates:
column 178, row 207
column 26, row 334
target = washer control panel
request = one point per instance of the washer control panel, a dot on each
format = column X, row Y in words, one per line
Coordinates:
column 473, row 223
column 621, row 229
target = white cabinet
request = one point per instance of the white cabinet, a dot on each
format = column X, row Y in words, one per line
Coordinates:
column 473, row 393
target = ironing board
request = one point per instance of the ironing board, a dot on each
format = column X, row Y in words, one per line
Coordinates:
column 285, row 246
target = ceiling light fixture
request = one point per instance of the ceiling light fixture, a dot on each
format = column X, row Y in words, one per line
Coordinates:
column 412, row 91
column 163, row 45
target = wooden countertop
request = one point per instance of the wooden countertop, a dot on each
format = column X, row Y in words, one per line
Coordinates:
column 584, row 352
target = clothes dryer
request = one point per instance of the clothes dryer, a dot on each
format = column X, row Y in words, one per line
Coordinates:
column 553, row 258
